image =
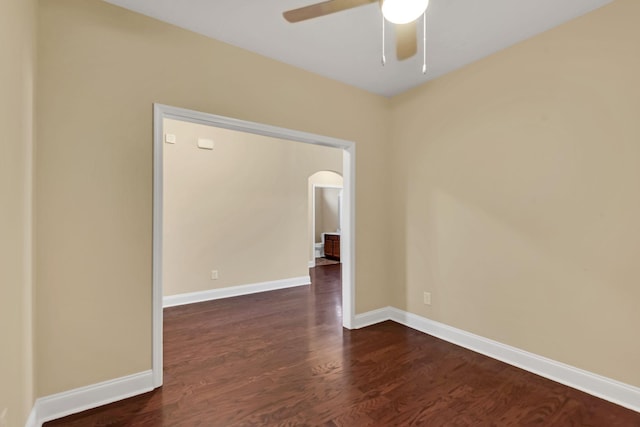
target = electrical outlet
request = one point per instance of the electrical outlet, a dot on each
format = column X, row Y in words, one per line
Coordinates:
column 3, row 417
column 427, row 298
column 214, row 274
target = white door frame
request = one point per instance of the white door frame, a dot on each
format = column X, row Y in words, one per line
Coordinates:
column 313, row 215
column 161, row 112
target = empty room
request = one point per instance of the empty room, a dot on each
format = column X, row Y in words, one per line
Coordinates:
column 482, row 268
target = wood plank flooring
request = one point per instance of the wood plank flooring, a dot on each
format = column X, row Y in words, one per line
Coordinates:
column 282, row 359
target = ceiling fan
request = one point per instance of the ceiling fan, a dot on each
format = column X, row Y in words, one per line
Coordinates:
column 403, row 13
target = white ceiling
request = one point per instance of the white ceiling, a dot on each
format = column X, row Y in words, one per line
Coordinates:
column 346, row 46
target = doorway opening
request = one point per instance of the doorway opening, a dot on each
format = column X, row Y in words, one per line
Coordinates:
column 325, row 193
column 347, row 222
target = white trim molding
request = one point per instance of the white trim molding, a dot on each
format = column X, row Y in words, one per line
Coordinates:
column 32, row 421
column 234, row 291
column 80, row 399
column 372, row 317
column 312, row 263
column 597, row 385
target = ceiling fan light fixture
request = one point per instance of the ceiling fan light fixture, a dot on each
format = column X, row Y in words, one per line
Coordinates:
column 403, row 11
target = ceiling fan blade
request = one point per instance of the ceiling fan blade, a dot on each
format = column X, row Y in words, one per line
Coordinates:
column 321, row 9
column 406, row 40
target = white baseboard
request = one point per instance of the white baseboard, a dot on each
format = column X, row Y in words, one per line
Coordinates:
column 605, row 388
column 80, row 399
column 312, row 263
column 234, row 291
column 372, row 317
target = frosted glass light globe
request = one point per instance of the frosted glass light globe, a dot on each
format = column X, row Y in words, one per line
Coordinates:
column 403, row 11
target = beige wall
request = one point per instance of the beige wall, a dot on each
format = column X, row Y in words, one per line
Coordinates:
column 327, row 214
column 516, row 190
column 240, row 208
column 100, row 68
column 318, row 211
column 17, row 50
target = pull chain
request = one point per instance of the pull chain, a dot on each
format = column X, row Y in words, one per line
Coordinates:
column 424, row 43
column 384, row 59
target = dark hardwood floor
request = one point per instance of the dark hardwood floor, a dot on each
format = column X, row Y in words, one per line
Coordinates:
column 282, row 358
